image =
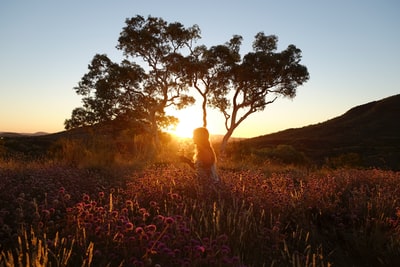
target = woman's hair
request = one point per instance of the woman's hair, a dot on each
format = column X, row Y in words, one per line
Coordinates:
column 204, row 150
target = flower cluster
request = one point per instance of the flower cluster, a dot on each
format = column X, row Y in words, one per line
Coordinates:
column 165, row 217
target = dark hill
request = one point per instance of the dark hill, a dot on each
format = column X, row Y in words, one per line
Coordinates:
column 371, row 131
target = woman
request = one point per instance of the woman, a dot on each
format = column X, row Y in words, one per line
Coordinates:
column 204, row 158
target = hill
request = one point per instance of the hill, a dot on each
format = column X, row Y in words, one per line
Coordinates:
column 370, row 132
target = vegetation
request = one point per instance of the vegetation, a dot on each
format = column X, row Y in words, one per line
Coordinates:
column 365, row 136
column 111, row 192
column 161, row 67
column 99, row 205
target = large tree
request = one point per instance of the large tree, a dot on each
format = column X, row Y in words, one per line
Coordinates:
column 207, row 71
column 109, row 91
column 161, row 47
column 145, row 83
column 243, row 86
column 161, row 64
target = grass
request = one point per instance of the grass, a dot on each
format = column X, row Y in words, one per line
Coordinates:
column 56, row 214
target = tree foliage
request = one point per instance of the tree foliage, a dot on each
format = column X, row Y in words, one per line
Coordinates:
column 109, row 91
column 162, row 64
column 243, row 86
column 133, row 91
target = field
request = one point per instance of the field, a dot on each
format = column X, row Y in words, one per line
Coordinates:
column 57, row 214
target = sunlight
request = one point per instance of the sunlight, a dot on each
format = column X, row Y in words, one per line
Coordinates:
column 189, row 119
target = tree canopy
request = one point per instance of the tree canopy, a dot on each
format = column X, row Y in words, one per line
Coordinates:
column 138, row 92
column 247, row 85
column 162, row 66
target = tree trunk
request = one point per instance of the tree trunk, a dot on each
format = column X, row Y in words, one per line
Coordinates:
column 224, row 142
column 204, row 107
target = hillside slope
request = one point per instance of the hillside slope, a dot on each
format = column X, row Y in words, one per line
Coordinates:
column 371, row 130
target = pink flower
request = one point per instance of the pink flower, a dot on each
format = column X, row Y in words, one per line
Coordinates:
column 85, row 197
column 200, row 249
column 129, row 226
column 151, row 228
column 169, row 220
column 129, row 203
column 139, row 230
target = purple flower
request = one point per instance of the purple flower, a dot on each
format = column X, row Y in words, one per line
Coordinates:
column 169, row 220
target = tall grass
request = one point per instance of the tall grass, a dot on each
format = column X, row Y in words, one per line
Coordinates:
column 160, row 215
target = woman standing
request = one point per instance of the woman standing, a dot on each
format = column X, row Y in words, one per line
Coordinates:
column 204, row 158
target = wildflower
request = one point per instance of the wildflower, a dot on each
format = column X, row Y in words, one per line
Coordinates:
column 118, row 236
column 85, row 197
column 142, row 211
column 129, row 204
column 160, row 218
column 175, row 196
column 129, row 226
column 124, row 211
column 169, row 220
column 151, row 228
column 200, row 249
column 225, row 250
column 146, row 215
column 67, row 197
column 101, row 194
column 139, row 230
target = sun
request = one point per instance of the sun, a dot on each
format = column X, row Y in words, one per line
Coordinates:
column 189, row 119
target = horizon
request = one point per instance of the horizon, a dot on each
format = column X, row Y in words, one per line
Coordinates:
column 188, row 136
column 347, row 48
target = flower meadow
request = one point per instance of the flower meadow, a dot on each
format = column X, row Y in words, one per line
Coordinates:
column 57, row 215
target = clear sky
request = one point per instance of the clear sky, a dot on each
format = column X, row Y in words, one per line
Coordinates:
column 351, row 50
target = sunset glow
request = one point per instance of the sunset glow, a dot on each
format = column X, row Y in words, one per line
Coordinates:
column 39, row 95
column 189, row 119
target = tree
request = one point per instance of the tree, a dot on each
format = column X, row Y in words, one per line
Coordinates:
column 245, row 86
column 207, row 70
column 170, row 65
column 109, row 91
column 133, row 91
column 161, row 47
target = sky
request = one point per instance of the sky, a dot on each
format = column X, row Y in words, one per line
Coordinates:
column 351, row 50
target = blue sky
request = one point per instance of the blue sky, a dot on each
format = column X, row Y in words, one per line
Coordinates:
column 351, row 49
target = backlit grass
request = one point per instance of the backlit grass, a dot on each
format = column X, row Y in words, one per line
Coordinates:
column 55, row 215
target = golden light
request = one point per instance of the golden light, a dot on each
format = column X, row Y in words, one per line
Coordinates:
column 189, row 119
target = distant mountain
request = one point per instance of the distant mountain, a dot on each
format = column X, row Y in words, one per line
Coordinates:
column 12, row 134
column 372, row 131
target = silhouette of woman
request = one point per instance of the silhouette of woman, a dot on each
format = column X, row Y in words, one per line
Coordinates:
column 204, row 158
